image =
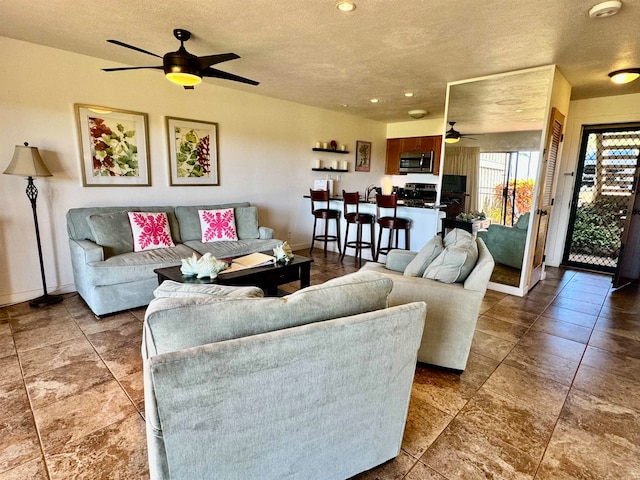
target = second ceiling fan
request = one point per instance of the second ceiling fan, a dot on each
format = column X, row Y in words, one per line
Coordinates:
column 454, row 136
column 184, row 68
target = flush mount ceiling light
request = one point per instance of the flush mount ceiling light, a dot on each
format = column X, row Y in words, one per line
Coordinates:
column 345, row 6
column 417, row 113
column 408, row 94
column 625, row 76
column 374, row 100
column 605, row 9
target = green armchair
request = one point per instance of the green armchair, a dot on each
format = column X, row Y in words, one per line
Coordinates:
column 506, row 244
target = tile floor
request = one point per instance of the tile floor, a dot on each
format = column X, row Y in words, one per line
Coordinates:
column 551, row 391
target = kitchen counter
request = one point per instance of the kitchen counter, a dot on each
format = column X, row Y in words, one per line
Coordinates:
column 401, row 203
column 425, row 221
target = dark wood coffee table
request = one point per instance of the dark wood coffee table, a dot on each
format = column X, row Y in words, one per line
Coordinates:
column 268, row 278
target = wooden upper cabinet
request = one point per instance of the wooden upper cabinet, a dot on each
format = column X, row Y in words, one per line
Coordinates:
column 395, row 146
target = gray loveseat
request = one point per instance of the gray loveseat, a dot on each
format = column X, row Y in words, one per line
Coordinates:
column 314, row 385
column 111, row 277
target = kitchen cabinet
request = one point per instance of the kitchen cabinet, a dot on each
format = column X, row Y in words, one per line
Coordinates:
column 395, row 146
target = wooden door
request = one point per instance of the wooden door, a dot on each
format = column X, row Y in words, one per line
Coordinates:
column 628, row 268
column 545, row 201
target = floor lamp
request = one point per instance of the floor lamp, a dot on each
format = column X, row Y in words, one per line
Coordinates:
column 27, row 162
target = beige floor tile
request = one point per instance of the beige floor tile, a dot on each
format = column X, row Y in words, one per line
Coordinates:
column 491, row 346
column 424, row 423
column 106, row 340
column 58, row 355
column 395, row 469
column 31, row 470
column 542, row 364
column 117, row 450
column 501, row 329
column 570, row 316
column 570, row 331
column 609, row 387
column 421, row 472
column 6, row 341
column 507, row 313
column 18, row 441
column 77, row 416
column 553, row 345
column 608, row 362
column 125, row 359
column 9, row 369
column 615, row 343
column 47, row 332
column 13, row 400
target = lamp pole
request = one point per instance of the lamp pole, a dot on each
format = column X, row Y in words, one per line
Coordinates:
column 45, row 299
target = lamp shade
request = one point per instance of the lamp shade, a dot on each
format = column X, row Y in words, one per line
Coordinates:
column 27, row 162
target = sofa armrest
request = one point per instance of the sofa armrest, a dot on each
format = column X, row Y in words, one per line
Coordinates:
column 397, row 260
column 86, row 251
column 266, row 233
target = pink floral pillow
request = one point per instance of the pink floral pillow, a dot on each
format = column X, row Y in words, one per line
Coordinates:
column 218, row 225
column 150, row 230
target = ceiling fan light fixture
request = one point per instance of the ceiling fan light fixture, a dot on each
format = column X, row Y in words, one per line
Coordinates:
column 345, row 6
column 184, row 79
column 417, row 113
column 449, row 139
column 452, row 135
column 625, row 76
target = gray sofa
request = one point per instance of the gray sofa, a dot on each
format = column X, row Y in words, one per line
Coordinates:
column 111, row 277
column 453, row 307
column 314, row 385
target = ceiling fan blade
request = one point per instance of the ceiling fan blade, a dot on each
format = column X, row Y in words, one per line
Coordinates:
column 215, row 73
column 209, row 60
column 129, row 68
column 126, row 45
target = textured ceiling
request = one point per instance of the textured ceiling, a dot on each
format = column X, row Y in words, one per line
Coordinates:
column 311, row 53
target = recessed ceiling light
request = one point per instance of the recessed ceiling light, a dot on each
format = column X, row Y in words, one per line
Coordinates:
column 345, row 6
column 374, row 100
column 625, row 76
column 605, row 9
column 519, row 110
column 408, row 94
column 345, row 105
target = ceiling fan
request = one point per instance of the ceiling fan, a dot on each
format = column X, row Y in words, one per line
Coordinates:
column 454, row 136
column 184, row 68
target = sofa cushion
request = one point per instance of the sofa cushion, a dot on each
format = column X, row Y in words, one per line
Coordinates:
column 458, row 237
column 454, row 264
column 217, row 225
column 134, row 266
column 233, row 249
column 150, row 231
column 425, row 256
column 209, row 320
column 112, row 232
column 247, row 222
column 172, row 289
column 190, row 220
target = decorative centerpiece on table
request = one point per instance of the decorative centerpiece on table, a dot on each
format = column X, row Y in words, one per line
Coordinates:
column 205, row 266
column 471, row 216
column 283, row 253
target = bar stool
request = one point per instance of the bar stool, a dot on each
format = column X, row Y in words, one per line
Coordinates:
column 323, row 212
column 351, row 201
column 384, row 203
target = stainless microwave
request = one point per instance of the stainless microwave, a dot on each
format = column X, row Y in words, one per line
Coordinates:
column 416, row 162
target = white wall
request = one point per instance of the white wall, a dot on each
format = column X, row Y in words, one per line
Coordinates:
column 264, row 150
column 596, row 111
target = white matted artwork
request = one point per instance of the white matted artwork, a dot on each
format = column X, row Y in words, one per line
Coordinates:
column 193, row 152
column 114, row 146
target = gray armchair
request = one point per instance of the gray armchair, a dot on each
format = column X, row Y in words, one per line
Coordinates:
column 453, row 307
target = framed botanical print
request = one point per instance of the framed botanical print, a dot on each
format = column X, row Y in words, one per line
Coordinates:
column 363, row 156
column 114, row 147
column 193, row 152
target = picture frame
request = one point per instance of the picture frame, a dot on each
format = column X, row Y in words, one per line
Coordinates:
column 193, row 152
column 114, row 147
column 363, row 156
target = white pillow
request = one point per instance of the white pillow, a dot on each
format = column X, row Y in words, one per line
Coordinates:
column 218, row 225
column 150, row 231
column 424, row 257
column 454, row 264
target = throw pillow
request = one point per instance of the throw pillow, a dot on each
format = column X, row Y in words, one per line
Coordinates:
column 217, row 225
column 458, row 237
column 150, row 231
column 247, row 222
column 454, row 264
column 424, row 257
column 112, row 232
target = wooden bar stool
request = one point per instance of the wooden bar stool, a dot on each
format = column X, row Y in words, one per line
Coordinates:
column 385, row 204
column 352, row 215
column 320, row 210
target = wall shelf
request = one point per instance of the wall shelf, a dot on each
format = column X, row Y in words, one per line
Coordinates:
column 329, row 170
column 330, row 150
